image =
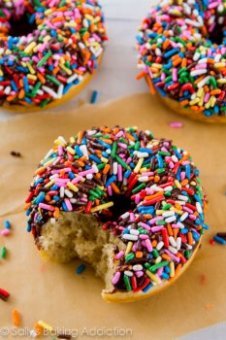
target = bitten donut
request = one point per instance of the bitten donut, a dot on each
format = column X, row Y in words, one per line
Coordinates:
column 49, row 50
column 127, row 203
column 182, row 54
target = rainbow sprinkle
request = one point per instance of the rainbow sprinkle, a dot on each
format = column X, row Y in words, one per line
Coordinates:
column 143, row 190
column 64, row 45
column 182, row 53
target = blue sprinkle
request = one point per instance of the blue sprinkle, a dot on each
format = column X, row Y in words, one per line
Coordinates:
column 7, row 224
column 80, row 269
column 94, row 97
column 149, row 286
column 219, row 240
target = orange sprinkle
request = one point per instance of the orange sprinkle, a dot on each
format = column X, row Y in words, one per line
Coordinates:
column 141, row 75
column 16, row 318
column 190, row 238
column 139, row 254
column 106, row 169
column 150, row 84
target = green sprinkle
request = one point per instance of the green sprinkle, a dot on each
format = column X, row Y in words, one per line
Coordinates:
column 158, row 265
column 44, row 59
column 127, row 282
column 155, row 253
column 120, row 161
column 3, row 252
column 114, row 149
column 138, row 188
column 129, row 257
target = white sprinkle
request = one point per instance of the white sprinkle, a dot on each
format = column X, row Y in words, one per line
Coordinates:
column 95, row 168
column 170, row 219
column 130, row 237
column 173, row 242
column 60, row 91
column 68, row 193
column 61, row 192
column 125, row 216
column 115, row 168
column 84, row 150
column 128, row 273
column 184, row 216
column 89, row 176
column 179, row 241
column 72, row 78
column 143, row 179
column 173, row 250
column 160, row 245
column 183, row 198
column 137, row 267
column 50, row 91
column 134, row 232
column 199, row 208
column 198, row 72
column 168, row 213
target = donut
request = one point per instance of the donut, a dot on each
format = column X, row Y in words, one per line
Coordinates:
column 182, row 55
column 49, row 50
column 128, row 204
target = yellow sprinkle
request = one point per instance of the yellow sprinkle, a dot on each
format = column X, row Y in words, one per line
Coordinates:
column 70, row 150
column 172, row 269
column 31, row 76
column 153, row 277
column 30, row 47
column 1, row 73
column 72, row 187
column 69, row 72
column 47, row 38
column 178, row 185
column 139, row 165
column 47, row 163
column 60, row 141
column 219, row 65
column 194, row 101
column 32, row 71
column 212, row 101
column 102, row 206
column 72, row 140
column 45, row 325
column 129, row 247
column 49, row 184
column 104, row 160
column 221, row 81
column 158, row 66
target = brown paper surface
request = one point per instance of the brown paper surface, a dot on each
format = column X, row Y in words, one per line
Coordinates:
column 54, row 293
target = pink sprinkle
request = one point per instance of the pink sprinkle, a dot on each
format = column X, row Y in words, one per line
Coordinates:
column 119, row 255
column 46, row 206
column 139, row 273
column 176, row 125
column 5, row 232
column 148, row 245
column 68, row 204
column 116, row 278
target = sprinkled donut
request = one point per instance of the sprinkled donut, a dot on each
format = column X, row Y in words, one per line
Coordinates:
column 127, row 203
column 182, row 54
column 49, row 50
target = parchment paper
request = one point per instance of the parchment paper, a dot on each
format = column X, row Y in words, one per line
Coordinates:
column 54, row 293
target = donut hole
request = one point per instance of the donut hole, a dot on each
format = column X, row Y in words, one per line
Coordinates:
column 122, row 204
column 20, row 26
column 217, row 36
column 79, row 236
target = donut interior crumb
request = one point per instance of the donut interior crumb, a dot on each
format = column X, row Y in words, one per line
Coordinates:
column 80, row 236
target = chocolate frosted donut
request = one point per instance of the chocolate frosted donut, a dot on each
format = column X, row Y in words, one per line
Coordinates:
column 182, row 54
column 48, row 50
column 127, row 203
